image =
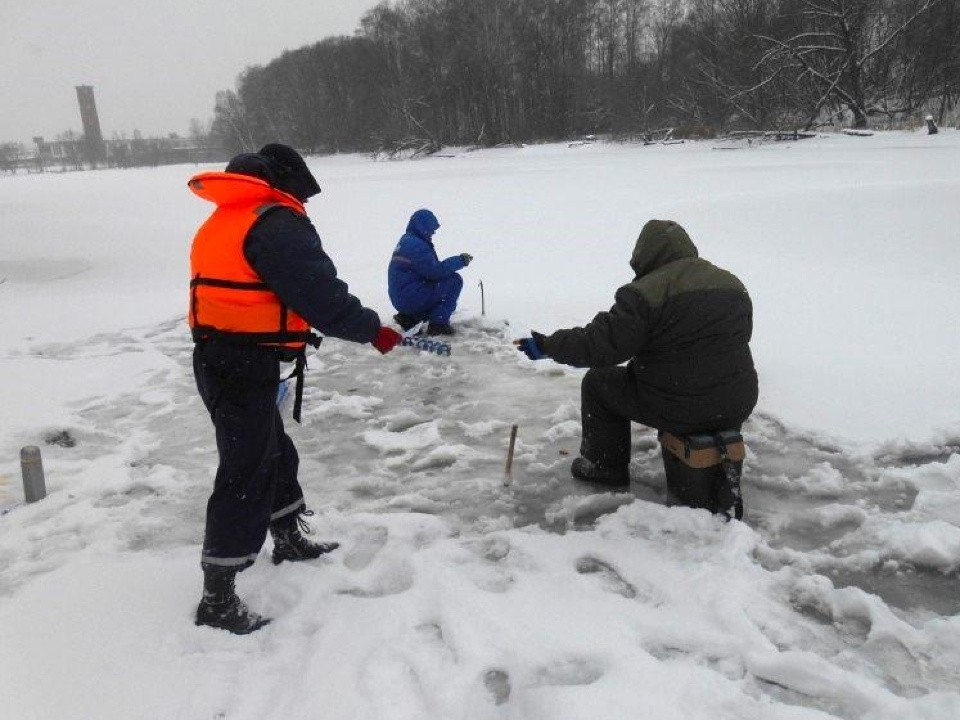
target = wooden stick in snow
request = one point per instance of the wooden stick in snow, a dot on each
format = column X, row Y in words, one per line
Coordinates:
column 508, row 471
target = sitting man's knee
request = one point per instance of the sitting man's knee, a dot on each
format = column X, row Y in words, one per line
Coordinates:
column 450, row 287
column 590, row 382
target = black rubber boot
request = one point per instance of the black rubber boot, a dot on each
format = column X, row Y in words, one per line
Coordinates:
column 289, row 542
column 440, row 329
column 221, row 608
column 405, row 321
column 583, row 469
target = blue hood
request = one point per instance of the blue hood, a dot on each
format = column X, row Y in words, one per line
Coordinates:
column 423, row 223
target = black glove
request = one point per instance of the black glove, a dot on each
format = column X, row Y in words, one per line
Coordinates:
column 532, row 346
column 467, row 259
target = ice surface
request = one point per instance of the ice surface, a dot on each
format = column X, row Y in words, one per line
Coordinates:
column 455, row 595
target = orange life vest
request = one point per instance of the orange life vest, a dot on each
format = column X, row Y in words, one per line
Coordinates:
column 228, row 300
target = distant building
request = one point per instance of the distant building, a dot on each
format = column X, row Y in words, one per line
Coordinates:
column 71, row 151
column 94, row 147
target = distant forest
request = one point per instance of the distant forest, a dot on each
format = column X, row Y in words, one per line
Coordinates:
column 421, row 74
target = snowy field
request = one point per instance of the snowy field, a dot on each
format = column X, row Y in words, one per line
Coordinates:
column 455, row 596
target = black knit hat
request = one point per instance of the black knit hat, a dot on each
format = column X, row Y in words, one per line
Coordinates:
column 255, row 166
column 292, row 174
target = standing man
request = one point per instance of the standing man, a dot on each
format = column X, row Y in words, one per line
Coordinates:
column 684, row 326
column 260, row 280
column 421, row 286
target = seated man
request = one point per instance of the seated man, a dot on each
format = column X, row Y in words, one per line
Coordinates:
column 684, row 326
column 421, row 286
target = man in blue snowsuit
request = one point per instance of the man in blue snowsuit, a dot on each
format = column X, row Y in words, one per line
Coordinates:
column 421, row 286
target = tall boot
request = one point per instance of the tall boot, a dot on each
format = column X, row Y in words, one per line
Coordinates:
column 289, row 542
column 583, row 469
column 220, row 607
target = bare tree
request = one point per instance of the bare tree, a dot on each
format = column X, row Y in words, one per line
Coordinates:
column 10, row 152
column 843, row 54
column 230, row 122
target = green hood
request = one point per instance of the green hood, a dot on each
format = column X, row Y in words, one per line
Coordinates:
column 660, row 242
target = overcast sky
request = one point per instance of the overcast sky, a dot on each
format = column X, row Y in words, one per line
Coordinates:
column 154, row 64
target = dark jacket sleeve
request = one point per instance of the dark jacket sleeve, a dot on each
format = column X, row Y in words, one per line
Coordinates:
column 609, row 339
column 285, row 250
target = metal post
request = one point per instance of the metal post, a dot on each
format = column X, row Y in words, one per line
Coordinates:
column 31, row 464
column 483, row 302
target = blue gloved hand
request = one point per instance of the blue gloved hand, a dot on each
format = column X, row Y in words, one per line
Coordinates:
column 532, row 346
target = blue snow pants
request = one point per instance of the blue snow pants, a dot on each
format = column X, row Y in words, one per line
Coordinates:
column 256, row 481
column 440, row 302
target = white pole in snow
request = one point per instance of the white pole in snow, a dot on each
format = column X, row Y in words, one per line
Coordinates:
column 31, row 465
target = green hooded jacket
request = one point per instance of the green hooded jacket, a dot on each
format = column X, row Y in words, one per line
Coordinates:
column 683, row 324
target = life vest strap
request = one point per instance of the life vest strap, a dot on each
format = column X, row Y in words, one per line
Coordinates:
column 202, row 332
column 232, row 284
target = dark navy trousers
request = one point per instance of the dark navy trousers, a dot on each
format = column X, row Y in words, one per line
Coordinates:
column 256, row 479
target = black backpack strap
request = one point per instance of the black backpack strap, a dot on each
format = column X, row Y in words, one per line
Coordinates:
column 731, row 476
column 298, row 369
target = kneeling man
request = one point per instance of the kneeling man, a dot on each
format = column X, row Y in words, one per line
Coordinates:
column 683, row 327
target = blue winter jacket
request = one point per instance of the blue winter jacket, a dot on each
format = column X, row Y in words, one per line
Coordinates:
column 415, row 268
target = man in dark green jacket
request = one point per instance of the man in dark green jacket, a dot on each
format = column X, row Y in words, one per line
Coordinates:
column 684, row 326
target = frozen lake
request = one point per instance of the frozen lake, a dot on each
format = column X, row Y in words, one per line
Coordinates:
column 455, row 596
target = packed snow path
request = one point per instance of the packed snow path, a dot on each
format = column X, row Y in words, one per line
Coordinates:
column 456, row 596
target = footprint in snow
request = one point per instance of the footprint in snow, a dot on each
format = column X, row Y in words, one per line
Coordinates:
column 570, row 671
column 396, row 578
column 610, row 579
column 497, row 683
column 365, row 548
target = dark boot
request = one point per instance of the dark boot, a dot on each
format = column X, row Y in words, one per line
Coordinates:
column 289, row 542
column 405, row 321
column 221, row 608
column 583, row 469
column 440, row 329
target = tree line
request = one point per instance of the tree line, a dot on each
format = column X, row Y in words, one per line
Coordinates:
column 420, row 74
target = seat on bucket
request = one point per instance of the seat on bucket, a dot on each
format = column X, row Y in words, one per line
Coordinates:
column 703, row 470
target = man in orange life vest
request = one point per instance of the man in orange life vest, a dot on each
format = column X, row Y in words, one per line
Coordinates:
column 260, row 280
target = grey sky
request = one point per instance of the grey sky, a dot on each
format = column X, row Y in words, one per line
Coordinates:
column 154, row 64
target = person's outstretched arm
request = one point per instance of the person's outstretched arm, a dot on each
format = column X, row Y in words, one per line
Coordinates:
column 285, row 250
column 611, row 338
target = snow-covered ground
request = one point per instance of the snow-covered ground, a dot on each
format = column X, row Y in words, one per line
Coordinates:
column 454, row 595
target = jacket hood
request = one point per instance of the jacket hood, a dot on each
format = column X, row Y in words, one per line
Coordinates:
column 660, row 242
column 227, row 188
column 423, row 223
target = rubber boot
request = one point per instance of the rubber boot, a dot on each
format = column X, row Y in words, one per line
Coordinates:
column 221, row 608
column 583, row 469
column 440, row 329
column 289, row 542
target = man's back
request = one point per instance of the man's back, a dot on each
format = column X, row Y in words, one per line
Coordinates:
column 696, row 356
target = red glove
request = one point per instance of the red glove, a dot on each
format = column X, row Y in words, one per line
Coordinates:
column 386, row 340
